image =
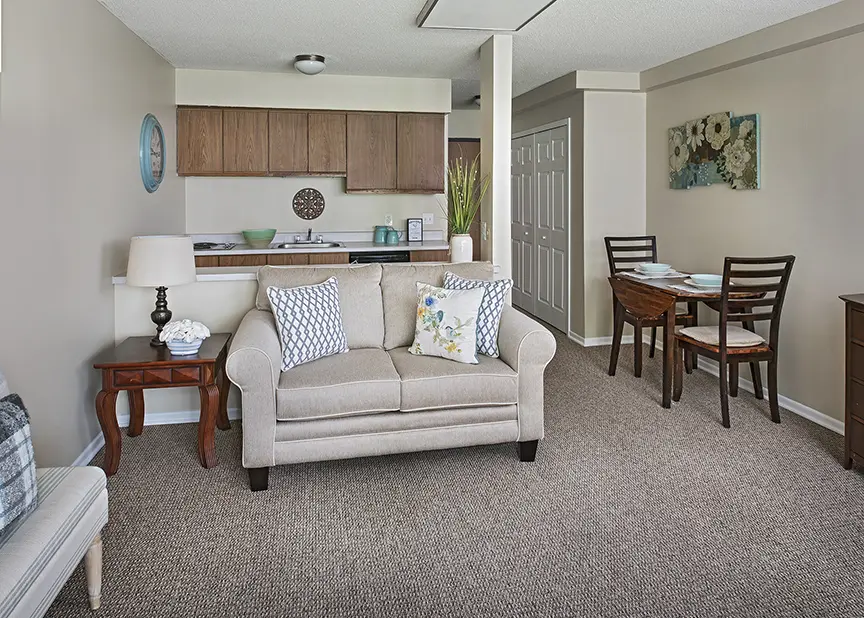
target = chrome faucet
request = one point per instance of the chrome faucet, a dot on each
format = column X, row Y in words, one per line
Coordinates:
column 309, row 235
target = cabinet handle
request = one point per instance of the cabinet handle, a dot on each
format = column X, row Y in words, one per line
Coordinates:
column 544, row 238
column 526, row 233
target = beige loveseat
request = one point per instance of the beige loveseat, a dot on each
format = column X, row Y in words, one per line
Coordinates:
column 378, row 399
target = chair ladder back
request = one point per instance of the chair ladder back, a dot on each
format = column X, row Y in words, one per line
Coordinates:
column 629, row 251
column 763, row 282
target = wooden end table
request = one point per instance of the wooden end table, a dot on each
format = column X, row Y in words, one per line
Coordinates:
column 134, row 365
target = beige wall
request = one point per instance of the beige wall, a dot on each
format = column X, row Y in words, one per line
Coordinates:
column 465, row 123
column 76, row 85
column 326, row 91
column 614, row 186
column 810, row 203
column 224, row 205
column 570, row 106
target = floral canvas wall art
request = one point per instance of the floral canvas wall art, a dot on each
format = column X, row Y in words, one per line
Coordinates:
column 719, row 148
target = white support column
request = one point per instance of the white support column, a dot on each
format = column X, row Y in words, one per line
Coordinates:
column 496, row 107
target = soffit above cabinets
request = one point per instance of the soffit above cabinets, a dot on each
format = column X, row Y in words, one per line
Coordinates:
column 498, row 15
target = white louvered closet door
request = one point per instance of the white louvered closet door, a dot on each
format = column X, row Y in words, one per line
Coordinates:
column 540, row 175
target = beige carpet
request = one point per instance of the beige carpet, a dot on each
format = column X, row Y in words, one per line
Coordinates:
column 629, row 510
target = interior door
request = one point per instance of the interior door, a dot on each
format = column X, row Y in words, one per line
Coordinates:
column 522, row 230
column 552, row 221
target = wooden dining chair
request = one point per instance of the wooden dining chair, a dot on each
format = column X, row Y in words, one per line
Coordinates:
column 623, row 254
column 756, row 294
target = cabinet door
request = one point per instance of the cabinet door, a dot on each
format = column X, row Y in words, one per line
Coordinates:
column 257, row 259
column 430, row 256
column 289, row 139
column 327, row 150
column 199, row 141
column 371, row 152
column 288, row 259
column 245, row 141
column 420, row 145
column 328, row 258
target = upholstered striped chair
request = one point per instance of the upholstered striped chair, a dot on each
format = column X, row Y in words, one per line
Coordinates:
column 39, row 551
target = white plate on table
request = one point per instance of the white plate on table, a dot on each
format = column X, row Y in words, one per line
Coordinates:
column 702, row 286
column 670, row 271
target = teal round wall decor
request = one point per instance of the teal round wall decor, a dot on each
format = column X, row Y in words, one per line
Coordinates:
column 151, row 153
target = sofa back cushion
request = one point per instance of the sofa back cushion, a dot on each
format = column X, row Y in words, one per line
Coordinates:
column 4, row 386
column 399, row 290
column 359, row 296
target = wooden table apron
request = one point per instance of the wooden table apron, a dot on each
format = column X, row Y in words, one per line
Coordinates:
column 134, row 376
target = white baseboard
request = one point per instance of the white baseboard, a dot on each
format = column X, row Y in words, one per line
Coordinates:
column 594, row 342
column 811, row 414
column 90, row 451
column 150, row 418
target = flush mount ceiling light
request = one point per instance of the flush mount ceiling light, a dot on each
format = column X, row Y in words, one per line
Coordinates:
column 309, row 64
column 501, row 15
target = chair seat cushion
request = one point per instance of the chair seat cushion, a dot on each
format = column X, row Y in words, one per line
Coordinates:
column 736, row 337
column 38, row 552
column 356, row 382
column 430, row 383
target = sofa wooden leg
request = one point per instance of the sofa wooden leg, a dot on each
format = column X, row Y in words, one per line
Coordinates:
column 259, row 478
column 527, row 450
column 93, row 569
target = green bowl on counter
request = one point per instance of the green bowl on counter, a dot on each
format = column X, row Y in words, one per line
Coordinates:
column 259, row 239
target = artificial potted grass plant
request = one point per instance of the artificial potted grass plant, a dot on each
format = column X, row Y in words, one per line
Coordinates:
column 465, row 192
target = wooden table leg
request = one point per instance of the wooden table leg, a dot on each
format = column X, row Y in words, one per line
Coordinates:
column 136, row 413
column 106, row 410
column 668, row 355
column 222, row 421
column 207, row 425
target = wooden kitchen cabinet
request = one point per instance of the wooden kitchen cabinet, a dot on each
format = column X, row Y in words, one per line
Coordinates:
column 288, row 259
column 243, row 260
column 371, row 152
column 246, row 139
column 327, row 143
column 430, row 256
column 199, row 142
column 289, row 142
column 420, row 149
column 206, row 261
column 328, row 258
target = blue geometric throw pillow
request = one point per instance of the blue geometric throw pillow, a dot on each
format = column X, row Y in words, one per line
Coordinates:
column 17, row 466
column 309, row 322
column 491, row 308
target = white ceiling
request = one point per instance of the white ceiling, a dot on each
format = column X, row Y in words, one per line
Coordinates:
column 380, row 37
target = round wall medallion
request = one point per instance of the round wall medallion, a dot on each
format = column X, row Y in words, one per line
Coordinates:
column 308, row 203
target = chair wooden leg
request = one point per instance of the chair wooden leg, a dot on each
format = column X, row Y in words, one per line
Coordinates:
column 689, row 361
column 772, row 391
column 653, row 347
column 724, row 392
column 637, row 349
column 733, row 379
column 617, row 333
column 756, row 375
column 678, row 386
column 93, row 572
column 693, row 310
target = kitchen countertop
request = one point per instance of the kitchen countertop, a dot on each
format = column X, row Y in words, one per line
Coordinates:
column 349, row 247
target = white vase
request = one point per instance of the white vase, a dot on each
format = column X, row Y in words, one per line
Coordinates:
column 461, row 248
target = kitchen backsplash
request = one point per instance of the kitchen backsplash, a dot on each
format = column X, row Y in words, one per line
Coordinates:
column 221, row 205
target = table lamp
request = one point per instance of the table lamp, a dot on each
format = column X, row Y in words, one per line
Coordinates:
column 160, row 262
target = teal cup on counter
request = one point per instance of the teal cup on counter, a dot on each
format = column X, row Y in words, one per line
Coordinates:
column 392, row 237
column 381, row 234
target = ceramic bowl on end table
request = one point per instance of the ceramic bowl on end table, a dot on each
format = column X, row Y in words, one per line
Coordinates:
column 184, row 337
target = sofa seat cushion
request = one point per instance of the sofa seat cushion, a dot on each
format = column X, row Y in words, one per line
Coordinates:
column 360, row 381
column 38, row 552
column 430, row 383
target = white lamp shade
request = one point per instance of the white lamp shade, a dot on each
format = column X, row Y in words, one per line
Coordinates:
column 160, row 261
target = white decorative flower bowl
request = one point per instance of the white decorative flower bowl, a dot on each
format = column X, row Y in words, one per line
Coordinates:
column 184, row 348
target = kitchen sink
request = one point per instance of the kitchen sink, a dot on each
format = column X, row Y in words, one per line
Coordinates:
column 309, row 245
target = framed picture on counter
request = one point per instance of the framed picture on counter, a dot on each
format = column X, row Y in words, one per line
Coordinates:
column 415, row 230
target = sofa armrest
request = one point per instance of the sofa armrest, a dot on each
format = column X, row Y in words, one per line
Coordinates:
column 527, row 347
column 254, row 363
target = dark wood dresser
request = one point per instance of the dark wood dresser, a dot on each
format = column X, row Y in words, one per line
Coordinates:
column 854, row 379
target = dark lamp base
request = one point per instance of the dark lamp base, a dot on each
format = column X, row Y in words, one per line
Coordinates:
column 160, row 316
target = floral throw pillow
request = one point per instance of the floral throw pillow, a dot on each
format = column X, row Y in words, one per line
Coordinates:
column 447, row 323
column 490, row 308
